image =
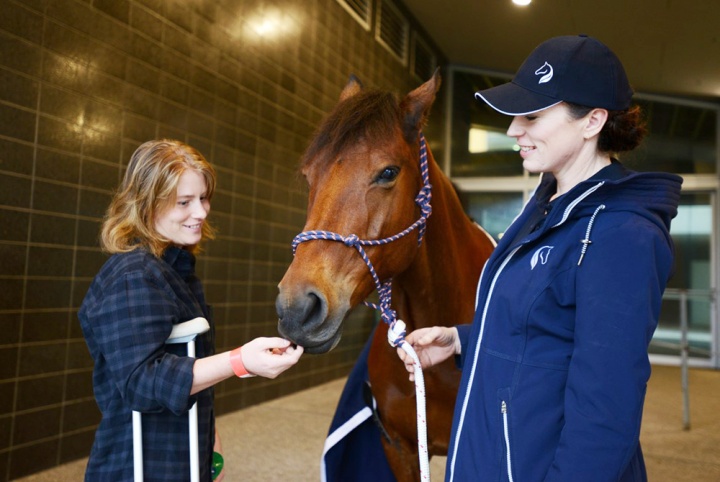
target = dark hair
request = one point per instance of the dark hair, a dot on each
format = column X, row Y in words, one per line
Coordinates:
column 623, row 131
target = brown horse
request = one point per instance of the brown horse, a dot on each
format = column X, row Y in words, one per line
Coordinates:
column 363, row 172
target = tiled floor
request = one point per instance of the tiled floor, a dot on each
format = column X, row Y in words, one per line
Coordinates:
column 283, row 439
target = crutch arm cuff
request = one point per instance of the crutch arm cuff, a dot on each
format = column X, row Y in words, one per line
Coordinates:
column 237, row 364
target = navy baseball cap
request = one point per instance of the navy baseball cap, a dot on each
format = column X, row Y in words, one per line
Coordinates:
column 574, row 68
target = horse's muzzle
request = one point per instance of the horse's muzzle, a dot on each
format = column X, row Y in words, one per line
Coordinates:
column 303, row 319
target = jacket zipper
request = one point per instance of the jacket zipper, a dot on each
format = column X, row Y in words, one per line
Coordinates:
column 461, row 422
column 577, row 201
column 504, row 410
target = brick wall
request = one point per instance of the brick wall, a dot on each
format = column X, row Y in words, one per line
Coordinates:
column 82, row 84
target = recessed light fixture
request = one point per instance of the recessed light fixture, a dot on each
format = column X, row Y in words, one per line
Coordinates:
column 522, row 3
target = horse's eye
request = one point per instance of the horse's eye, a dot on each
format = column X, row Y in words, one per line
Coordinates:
column 388, row 174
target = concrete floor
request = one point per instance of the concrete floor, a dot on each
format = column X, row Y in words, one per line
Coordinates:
column 283, row 439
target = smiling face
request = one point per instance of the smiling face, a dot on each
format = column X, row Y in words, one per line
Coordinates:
column 549, row 140
column 182, row 221
column 554, row 141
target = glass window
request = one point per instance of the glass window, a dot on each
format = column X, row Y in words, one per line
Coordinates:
column 689, row 292
column 479, row 146
column 681, row 136
column 494, row 211
column 681, row 139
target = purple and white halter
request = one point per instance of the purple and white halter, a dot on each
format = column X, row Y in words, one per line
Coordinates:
column 384, row 289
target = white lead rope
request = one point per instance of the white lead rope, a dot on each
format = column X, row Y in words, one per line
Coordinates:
column 396, row 337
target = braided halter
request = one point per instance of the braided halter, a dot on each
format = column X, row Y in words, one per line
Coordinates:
column 384, row 289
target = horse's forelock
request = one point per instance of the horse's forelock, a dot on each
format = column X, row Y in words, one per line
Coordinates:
column 370, row 114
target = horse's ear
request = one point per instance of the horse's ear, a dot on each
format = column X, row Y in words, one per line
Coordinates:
column 353, row 87
column 416, row 106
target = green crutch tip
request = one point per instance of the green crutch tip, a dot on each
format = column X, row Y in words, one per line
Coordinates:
column 217, row 464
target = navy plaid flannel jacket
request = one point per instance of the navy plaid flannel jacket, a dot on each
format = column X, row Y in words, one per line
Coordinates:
column 126, row 317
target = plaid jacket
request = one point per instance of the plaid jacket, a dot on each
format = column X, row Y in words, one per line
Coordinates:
column 126, row 317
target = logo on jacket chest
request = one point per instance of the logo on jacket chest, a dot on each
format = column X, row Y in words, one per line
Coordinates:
column 541, row 256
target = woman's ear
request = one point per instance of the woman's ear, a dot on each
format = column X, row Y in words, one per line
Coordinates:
column 596, row 119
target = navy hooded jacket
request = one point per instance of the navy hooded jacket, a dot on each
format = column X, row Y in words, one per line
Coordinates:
column 555, row 363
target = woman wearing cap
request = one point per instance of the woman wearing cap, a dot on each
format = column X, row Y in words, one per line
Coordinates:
column 554, row 365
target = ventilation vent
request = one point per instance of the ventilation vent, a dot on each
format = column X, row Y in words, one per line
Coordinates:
column 360, row 10
column 392, row 30
column 423, row 59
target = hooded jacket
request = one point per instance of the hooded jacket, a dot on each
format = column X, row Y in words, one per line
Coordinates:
column 555, row 364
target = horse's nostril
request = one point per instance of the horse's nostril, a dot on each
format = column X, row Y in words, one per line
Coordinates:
column 302, row 311
column 316, row 312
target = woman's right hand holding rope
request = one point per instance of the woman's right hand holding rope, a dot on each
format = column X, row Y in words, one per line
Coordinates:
column 432, row 346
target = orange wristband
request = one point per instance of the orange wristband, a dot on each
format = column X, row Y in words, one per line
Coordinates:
column 237, row 364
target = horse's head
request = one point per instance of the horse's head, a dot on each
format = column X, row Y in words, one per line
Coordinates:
column 363, row 173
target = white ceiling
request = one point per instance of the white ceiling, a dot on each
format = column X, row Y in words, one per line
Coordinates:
column 669, row 47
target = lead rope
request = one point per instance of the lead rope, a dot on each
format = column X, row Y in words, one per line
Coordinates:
column 396, row 329
column 396, row 336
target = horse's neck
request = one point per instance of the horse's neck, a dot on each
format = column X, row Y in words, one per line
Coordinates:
column 439, row 286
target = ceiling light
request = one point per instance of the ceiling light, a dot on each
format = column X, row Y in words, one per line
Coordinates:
column 521, row 3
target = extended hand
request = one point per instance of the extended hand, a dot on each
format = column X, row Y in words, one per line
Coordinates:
column 269, row 357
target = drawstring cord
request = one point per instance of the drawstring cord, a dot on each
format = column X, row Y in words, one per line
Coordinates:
column 586, row 242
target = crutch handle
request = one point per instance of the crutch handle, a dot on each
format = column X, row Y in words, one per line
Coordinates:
column 188, row 330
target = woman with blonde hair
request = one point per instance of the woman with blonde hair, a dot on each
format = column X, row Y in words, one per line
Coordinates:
column 153, row 229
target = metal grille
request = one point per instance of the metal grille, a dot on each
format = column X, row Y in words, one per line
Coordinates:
column 360, row 10
column 392, row 30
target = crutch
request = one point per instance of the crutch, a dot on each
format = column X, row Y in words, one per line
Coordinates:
column 185, row 332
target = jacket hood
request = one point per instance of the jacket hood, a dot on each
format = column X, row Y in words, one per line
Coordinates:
column 653, row 195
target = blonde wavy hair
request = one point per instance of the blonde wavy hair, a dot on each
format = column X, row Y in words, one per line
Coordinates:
column 148, row 188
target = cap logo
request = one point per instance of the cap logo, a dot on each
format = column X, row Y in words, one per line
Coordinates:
column 546, row 71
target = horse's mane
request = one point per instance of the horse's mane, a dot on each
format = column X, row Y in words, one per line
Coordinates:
column 370, row 114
